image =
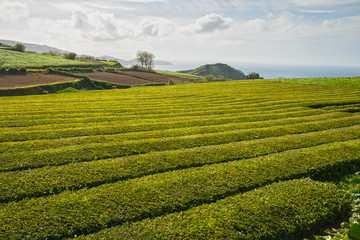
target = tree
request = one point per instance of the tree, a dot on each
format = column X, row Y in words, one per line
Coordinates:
column 2, row 62
column 71, row 56
column 19, row 47
column 253, row 75
column 145, row 59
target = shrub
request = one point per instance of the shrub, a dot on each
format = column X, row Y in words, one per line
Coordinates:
column 286, row 210
column 68, row 90
column 19, row 47
column 52, row 53
column 253, row 75
column 71, row 56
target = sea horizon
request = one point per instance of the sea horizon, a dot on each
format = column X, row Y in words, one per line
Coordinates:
column 274, row 71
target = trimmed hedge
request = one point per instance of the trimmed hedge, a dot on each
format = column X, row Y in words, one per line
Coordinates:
column 50, row 180
column 40, row 89
column 287, row 210
column 136, row 125
column 90, row 210
column 94, row 151
column 176, row 132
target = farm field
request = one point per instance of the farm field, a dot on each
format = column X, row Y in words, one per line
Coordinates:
column 13, row 58
column 348, row 82
column 226, row 160
column 155, row 77
column 11, row 81
column 117, row 78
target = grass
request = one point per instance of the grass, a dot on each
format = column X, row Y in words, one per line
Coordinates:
column 182, row 75
column 27, row 59
column 347, row 82
column 196, row 161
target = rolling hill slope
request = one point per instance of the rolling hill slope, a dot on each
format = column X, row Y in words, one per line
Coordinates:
column 218, row 70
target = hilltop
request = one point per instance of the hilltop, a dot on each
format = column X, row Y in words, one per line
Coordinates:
column 219, row 70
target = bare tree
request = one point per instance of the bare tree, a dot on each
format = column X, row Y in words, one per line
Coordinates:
column 145, row 59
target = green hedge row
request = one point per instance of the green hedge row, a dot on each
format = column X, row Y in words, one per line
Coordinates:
column 95, row 151
column 32, row 115
column 145, row 125
column 84, row 83
column 287, row 210
column 40, row 89
column 12, row 71
column 89, row 210
column 45, row 181
column 34, row 145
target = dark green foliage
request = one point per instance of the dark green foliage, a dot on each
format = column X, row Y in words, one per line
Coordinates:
column 286, row 210
column 68, row 90
column 218, row 70
column 253, row 75
column 70, row 56
column 19, row 47
column 12, row 71
column 138, row 68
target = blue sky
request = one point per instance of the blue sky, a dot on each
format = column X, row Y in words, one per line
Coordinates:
column 322, row 32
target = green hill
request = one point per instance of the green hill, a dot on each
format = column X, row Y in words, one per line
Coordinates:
column 27, row 59
column 219, row 70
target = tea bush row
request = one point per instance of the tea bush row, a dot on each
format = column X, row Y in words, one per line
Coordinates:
column 35, row 145
column 287, row 210
column 49, row 117
column 88, row 210
column 45, row 181
column 113, row 128
column 95, row 151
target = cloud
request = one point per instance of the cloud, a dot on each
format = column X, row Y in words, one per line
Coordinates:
column 210, row 23
column 313, row 3
column 13, row 10
column 230, row 42
column 283, row 23
column 317, row 11
column 101, row 26
column 156, row 27
column 257, row 24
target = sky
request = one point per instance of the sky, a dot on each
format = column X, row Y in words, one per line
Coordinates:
column 318, row 32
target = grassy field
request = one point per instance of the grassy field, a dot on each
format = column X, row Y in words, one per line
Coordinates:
column 182, row 75
column 26, row 59
column 347, row 82
column 230, row 160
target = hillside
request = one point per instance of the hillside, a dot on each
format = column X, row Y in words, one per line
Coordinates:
column 14, row 58
column 219, row 70
column 34, row 47
column 192, row 161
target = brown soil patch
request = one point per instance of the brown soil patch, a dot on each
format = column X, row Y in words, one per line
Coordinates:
column 156, row 77
column 11, row 81
column 117, row 78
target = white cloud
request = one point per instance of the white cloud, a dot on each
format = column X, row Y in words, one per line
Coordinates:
column 272, row 24
column 317, row 11
column 210, row 23
column 312, row 3
column 101, row 26
column 156, row 27
column 259, row 25
column 13, row 10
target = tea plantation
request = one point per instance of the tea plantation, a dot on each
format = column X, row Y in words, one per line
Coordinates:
column 226, row 160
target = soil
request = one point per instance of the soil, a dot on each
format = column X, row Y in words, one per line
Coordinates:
column 117, row 78
column 11, row 81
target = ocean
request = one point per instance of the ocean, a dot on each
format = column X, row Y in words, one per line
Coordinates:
column 275, row 71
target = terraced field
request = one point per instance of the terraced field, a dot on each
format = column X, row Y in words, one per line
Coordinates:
column 229, row 160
